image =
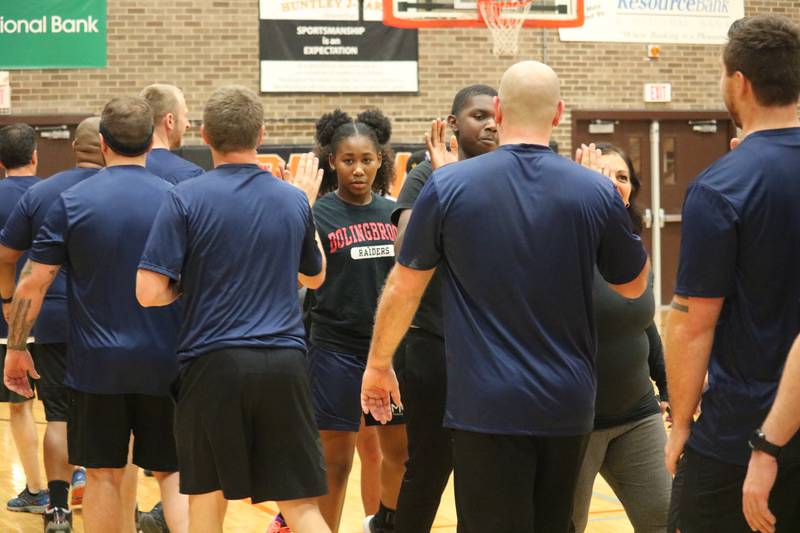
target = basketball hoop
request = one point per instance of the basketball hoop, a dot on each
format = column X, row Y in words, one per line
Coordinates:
column 504, row 20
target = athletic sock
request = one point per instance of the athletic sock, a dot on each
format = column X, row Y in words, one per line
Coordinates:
column 59, row 494
column 384, row 518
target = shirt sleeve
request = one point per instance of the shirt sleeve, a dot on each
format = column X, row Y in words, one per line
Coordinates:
column 709, row 244
column 165, row 249
column 412, row 186
column 50, row 245
column 310, row 256
column 655, row 360
column 621, row 256
column 422, row 244
column 18, row 231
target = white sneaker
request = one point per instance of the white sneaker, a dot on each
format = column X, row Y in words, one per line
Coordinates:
column 367, row 521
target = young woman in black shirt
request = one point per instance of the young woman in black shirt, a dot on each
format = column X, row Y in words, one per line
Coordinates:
column 354, row 223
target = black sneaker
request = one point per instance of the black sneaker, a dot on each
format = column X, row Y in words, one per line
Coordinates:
column 153, row 521
column 57, row 520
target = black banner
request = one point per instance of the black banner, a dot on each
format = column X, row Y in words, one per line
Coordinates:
column 299, row 40
column 337, row 56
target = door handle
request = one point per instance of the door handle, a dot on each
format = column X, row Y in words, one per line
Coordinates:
column 648, row 218
column 670, row 218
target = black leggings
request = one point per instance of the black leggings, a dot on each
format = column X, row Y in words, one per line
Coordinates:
column 420, row 364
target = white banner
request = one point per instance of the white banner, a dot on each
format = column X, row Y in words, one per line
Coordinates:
column 656, row 21
column 320, row 10
column 5, row 93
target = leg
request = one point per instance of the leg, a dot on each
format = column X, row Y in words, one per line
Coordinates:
column 369, row 454
column 338, row 448
column 558, row 463
column 595, row 455
column 634, row 468
column 207, row 512
column 303, row 516
column 56, row 464
column 51, row 362
column 175, row 504
column 394, row 447
column 108, row 500
column 26, row 439
column 494, row 482
column 423, row 384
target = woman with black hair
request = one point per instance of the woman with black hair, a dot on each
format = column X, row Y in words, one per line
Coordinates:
column 627, row 444
column 354, row 223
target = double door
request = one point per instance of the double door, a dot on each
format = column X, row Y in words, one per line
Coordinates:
column 668, row 150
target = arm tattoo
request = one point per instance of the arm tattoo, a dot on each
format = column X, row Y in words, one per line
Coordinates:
column 679, row 307
column 27, row 268
column 19, row 327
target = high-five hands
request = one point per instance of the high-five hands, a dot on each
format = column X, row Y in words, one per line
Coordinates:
column 590, row 157
column 308, row 177
column 437, row 147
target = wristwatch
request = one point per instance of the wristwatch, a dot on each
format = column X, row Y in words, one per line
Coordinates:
column 760, row 443
column 7, row 300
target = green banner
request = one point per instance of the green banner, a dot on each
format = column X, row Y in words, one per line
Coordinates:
column 52, row 34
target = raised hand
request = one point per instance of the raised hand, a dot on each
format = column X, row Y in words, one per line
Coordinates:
column 437, row 147
column 19, row 365
column 308, row 178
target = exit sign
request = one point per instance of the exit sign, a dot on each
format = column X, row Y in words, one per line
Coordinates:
column 657, row 92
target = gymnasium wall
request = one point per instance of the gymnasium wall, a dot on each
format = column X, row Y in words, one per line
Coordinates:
column 202, row 45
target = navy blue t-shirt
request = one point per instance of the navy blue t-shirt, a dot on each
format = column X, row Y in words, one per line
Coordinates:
column 11, row 190
column 97, row 229
column 171, row 167
column 518, row 233
column 235, row 238
column 740, row 239
column 20, row 231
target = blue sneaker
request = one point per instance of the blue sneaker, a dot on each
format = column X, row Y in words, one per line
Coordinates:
column 78, row 485
column 25, row 502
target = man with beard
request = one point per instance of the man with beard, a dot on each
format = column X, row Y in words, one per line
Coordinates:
column 735, row 311
column 171, row 120
column 50, row 348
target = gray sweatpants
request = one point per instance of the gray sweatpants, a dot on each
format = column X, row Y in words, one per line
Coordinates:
column 630, row 458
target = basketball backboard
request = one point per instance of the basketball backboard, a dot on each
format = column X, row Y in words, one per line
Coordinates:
column 465, row 13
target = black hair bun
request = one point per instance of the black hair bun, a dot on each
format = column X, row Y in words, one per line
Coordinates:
column 375, row 119
column 328, row 123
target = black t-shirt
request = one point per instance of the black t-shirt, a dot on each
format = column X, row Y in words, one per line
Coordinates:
column 359, row 245
column 629, row 353
column 429, row 314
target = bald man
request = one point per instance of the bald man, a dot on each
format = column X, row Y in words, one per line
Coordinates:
column 170, row 122
column 50, row 332
column 518, row 233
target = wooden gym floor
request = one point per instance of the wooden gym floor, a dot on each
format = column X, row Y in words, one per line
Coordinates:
column 606, row 513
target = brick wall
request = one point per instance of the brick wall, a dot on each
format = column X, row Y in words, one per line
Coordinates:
column 202, row 45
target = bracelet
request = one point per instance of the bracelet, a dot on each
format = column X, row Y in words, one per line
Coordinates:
column 8, row 300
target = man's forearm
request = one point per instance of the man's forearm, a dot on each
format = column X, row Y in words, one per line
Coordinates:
column 688, row 349
column 7, row 280
column 28, row 299
column 783, row 420
column 8, row 267
column 395, row 312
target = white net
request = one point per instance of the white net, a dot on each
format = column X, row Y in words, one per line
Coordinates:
column 504, row 20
